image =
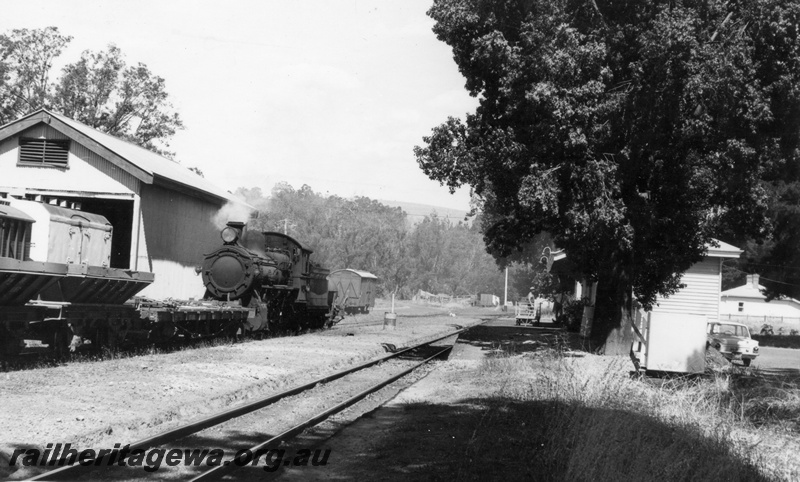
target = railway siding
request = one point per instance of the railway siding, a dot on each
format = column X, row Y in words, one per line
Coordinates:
column 116, row 401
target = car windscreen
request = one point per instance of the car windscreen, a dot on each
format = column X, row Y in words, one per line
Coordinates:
column 734, row 330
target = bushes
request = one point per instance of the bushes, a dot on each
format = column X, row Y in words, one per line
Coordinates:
column 571, row 315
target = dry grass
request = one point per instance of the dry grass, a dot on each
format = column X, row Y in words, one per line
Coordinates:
column 593, row 421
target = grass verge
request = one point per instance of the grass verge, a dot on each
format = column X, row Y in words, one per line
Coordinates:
column 543, row 416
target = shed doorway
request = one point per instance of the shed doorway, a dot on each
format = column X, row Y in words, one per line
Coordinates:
column 119, row 213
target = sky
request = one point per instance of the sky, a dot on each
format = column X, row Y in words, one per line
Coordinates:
column 330, row 93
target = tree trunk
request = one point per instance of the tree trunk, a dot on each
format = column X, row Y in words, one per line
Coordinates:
column 612, row 329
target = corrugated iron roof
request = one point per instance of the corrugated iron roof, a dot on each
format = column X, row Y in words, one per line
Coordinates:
column 140, row 160
column 724, row 250
column 147, row 160
column 747, row 290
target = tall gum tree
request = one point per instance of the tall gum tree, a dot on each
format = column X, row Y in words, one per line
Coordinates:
column 634, row 132
column 99, row 90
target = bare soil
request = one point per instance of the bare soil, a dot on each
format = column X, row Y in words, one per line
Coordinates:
column 458, row 423
column 98, row 404
column 428, row 430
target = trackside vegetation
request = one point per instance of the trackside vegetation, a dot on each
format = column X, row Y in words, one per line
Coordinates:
column 434, row 254
column 547, row 416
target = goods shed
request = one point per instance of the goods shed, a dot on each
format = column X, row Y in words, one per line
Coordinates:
column 164, row 216
column 355, row 289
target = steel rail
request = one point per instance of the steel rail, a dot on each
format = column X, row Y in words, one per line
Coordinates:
column 242, row 460
column 69, row 471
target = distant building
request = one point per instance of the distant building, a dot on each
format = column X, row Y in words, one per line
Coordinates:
column 163, row 214
column 748, row 300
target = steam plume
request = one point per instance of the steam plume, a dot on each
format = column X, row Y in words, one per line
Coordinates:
column 232, row 212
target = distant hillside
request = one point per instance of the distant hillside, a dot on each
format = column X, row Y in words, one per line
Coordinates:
column 416, row 212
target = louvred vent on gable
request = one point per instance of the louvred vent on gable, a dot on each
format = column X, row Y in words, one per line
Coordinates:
column 47, row 152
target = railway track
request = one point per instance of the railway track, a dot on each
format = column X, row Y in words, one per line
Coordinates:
column 255, row 413
column 357, row 324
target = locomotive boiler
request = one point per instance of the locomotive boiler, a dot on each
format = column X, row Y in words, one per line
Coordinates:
column 272, row 274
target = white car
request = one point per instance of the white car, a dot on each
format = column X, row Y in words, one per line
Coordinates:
column 732, row 340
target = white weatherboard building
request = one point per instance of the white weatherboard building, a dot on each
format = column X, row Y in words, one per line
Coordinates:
column 703, row 285
column 672, row 337
column 748, row 303
column 699, row 296
column 163, row 215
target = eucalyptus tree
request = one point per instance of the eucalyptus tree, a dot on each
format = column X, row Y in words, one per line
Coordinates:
column 99, row 89
column 26, row 62
column 634, row 131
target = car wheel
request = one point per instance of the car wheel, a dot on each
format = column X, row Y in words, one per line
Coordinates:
column 746, row 362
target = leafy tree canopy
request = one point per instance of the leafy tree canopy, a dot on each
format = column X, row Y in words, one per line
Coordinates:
column 433, row 255
column 99, row 90
column 632, row 131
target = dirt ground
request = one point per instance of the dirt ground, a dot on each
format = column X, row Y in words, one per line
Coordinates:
column 438, row 424
column 450, row 425
column 417, row 434
column 98, row 404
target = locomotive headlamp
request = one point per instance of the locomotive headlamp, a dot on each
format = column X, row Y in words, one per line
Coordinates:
column 230, row 235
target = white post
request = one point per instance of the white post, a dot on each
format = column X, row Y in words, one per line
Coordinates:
column 392, row 302
column 136, row 232
column 505, row 294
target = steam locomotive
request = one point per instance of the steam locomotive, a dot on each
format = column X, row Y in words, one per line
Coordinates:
column 58, row 291
column 272, row 274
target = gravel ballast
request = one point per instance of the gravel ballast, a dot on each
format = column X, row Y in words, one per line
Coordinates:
column 98, row 404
